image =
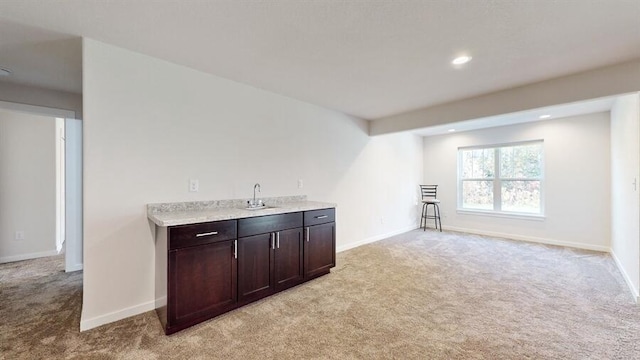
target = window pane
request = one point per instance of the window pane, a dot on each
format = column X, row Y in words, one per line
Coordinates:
column 477, row 195
column 478, row 164
column 521, row 196
column 522, row 161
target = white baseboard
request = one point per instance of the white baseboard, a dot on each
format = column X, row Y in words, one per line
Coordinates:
column 375, row 238
column 29, row 256
column 534, row 239
column 116, row 315
column 627, row 279
column 76, row 267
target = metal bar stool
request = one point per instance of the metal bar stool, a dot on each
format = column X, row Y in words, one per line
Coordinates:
column 429, row 198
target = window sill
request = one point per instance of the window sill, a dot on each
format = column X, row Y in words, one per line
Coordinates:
column 533, row 217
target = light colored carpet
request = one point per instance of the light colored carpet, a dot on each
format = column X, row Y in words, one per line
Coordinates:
column 420, row 295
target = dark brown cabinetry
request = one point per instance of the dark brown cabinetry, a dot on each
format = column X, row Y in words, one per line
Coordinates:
column 288, row 270
column 206, row 269
column 270, row 256
column 320, row 242
column 255, row 278
column 199, row 259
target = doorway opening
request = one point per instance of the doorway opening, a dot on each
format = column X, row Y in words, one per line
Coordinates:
column 41, row 170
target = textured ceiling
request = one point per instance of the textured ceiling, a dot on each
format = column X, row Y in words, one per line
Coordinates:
column 366, row 58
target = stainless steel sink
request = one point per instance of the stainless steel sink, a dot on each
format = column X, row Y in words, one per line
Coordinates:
column 253, row 204
column 258, row 207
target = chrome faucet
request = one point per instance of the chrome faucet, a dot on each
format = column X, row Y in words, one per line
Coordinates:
column 256, row 186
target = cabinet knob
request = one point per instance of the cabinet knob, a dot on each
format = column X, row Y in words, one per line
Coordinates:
column 235, row 249
column 322, row 217
column 278, row 239
column 308, row 229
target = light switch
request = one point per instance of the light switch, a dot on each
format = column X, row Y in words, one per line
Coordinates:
column 19, row 235
column 194, row 185
column 300, row 184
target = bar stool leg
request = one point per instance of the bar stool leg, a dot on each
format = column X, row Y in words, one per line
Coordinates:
column 436, row 213
column 423, row 217
column 426, row 215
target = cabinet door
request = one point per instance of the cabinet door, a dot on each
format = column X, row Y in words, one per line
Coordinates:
column 202, row 282
column 255, row 264
column 319, row 249
column 288, row 259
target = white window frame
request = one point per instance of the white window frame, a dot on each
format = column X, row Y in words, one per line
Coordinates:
column 497, row 182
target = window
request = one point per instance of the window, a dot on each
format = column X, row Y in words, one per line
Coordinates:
column 501, row 179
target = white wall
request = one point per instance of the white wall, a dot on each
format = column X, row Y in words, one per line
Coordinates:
column 625, row 201
column 31, row 95
column 73, row 195
column 576, row 188
column 149, row 126
column 27, row 186
column 60, row 183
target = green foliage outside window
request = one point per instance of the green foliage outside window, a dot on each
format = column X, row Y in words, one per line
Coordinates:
column 506, row 178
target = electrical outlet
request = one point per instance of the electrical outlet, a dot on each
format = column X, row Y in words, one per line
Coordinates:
column 300, row 183
column 20, row 235
column 194, row 185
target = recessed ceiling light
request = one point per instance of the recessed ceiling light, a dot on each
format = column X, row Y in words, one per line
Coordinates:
column 451, row 130
column 461, row 60
column 5, row 72
column 546, row 116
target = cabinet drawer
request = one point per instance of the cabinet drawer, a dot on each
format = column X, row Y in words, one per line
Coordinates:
column 321, row 216
column 269, row 223
column 197, row 234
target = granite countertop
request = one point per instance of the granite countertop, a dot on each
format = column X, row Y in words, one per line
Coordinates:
column 170, row 214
